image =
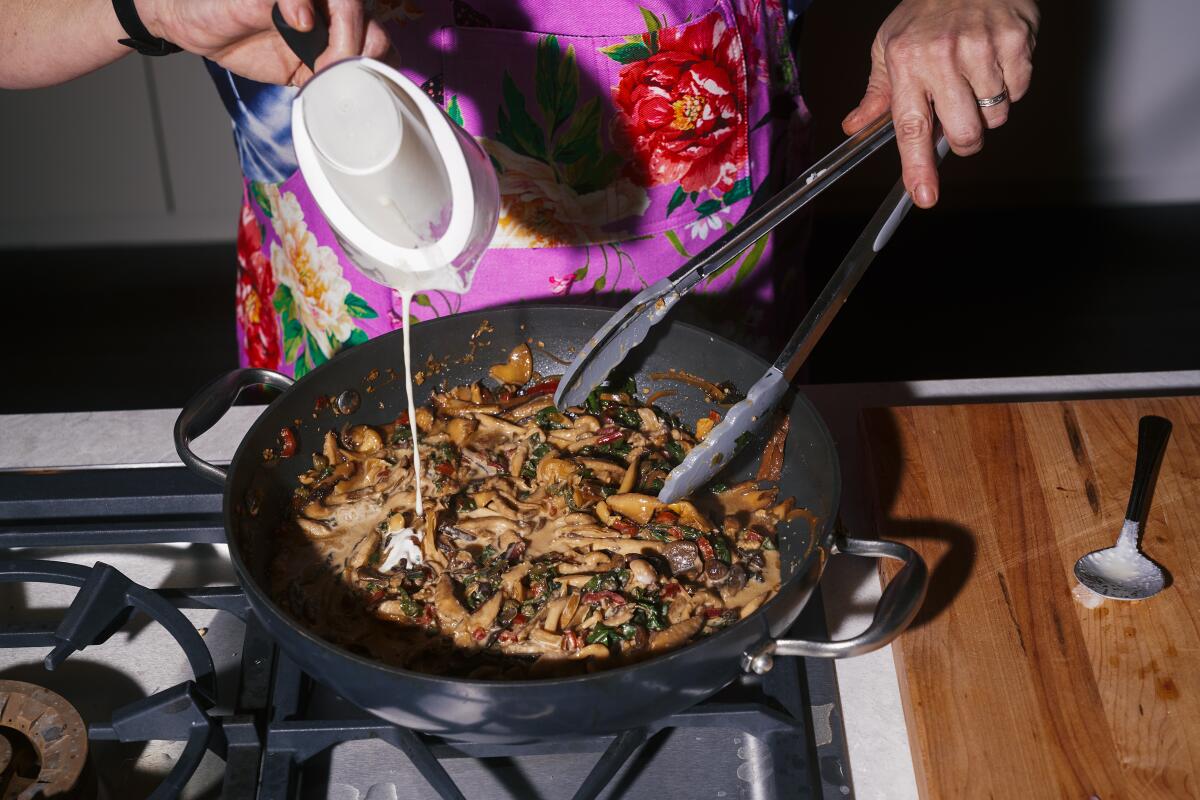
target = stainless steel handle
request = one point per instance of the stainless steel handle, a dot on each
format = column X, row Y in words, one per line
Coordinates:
column 209, row 405
column 897, row 606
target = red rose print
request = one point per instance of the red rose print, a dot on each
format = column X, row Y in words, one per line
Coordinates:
column 255, row 289
column 681, row 111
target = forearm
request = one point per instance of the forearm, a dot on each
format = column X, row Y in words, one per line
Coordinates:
column 45, row 42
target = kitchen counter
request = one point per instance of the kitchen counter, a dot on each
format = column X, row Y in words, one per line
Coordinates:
column 880, row 760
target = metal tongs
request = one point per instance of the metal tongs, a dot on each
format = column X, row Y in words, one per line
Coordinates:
column 629, row 326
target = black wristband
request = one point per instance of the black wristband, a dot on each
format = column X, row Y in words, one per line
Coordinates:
column 140, row 38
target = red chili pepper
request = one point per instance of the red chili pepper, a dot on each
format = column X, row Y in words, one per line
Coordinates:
column 403, row 418
column 545, row 387
column 376, row 596
column 714, row 416
column 520, row 619
column 506, row 636
column 504, row 397
column 572, row 640
column 710, row 613
column 609, row 434
column 287, row 438
column 595, row 598
column 479, row 634
column 705, row 547
column 753, row 536
column 444, row 468
column 666, row 516
column 538, row 588
column 671, row 589
column 674, row 533
column 624, row 526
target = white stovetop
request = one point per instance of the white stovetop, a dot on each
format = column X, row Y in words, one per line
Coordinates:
column 880, row 759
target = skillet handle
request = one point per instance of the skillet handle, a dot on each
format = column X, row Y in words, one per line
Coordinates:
column 208, row 405
column 897, row 606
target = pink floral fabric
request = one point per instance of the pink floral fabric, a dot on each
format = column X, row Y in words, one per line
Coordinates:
column 626, row 138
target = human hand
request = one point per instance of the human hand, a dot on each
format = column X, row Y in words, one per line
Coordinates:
column 239, row 34
column 937, row 57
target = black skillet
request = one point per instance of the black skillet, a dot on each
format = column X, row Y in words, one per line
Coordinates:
column 257, row 491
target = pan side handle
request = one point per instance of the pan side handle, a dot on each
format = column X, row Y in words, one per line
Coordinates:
column 208, row 405
column 897, row 606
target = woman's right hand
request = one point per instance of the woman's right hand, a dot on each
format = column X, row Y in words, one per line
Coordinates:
column 239, row 34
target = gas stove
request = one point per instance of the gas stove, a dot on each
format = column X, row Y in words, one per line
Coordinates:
column 117, row 602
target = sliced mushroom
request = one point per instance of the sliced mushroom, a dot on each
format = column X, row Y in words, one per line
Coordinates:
column 746, row 497
column 690, row 515
column 460, row 430
column 449, row 610
column 316, row 530
column 545, row 639
column 597, row 650
column 554, row 611
column 640, row 572
column 637, row 507
column 485, row 616
column 511, row 581
column 493, row 424
column 517, row 370
column 606, row 471
column 362, row 439
column 676, row 635
column 528, row 409
column 631, row 473
column 554, row 470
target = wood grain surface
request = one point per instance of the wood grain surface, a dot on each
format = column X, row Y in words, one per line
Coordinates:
column 1012, row 688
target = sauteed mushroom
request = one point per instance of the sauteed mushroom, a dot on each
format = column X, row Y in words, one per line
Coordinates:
column 542, row 549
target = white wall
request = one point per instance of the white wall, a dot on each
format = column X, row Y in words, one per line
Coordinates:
column 1146, row 147
column 82, row 163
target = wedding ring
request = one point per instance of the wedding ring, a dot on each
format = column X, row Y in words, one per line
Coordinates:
column 988, row 102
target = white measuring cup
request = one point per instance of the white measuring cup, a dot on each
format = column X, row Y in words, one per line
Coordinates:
column 411, row 196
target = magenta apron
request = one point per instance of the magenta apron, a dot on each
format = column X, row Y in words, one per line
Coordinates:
column 625, row 138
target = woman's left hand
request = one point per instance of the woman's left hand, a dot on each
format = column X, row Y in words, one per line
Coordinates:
column 938, row 58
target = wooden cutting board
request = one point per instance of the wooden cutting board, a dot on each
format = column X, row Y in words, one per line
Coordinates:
column 1011, row 688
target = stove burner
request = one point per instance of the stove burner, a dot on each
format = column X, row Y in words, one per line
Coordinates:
column 103, row 605
column 51, row 751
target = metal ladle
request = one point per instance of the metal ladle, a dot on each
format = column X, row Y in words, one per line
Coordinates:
column 1122, row 572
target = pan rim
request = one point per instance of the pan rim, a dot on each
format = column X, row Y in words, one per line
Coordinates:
column 822, row 533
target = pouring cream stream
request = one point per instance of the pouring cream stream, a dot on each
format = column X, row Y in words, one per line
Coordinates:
column 392, row 176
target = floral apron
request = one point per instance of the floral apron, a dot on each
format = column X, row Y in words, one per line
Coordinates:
column 625, row 139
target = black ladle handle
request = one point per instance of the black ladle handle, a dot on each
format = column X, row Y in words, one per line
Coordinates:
column 1153, row 433
column 307, row 45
